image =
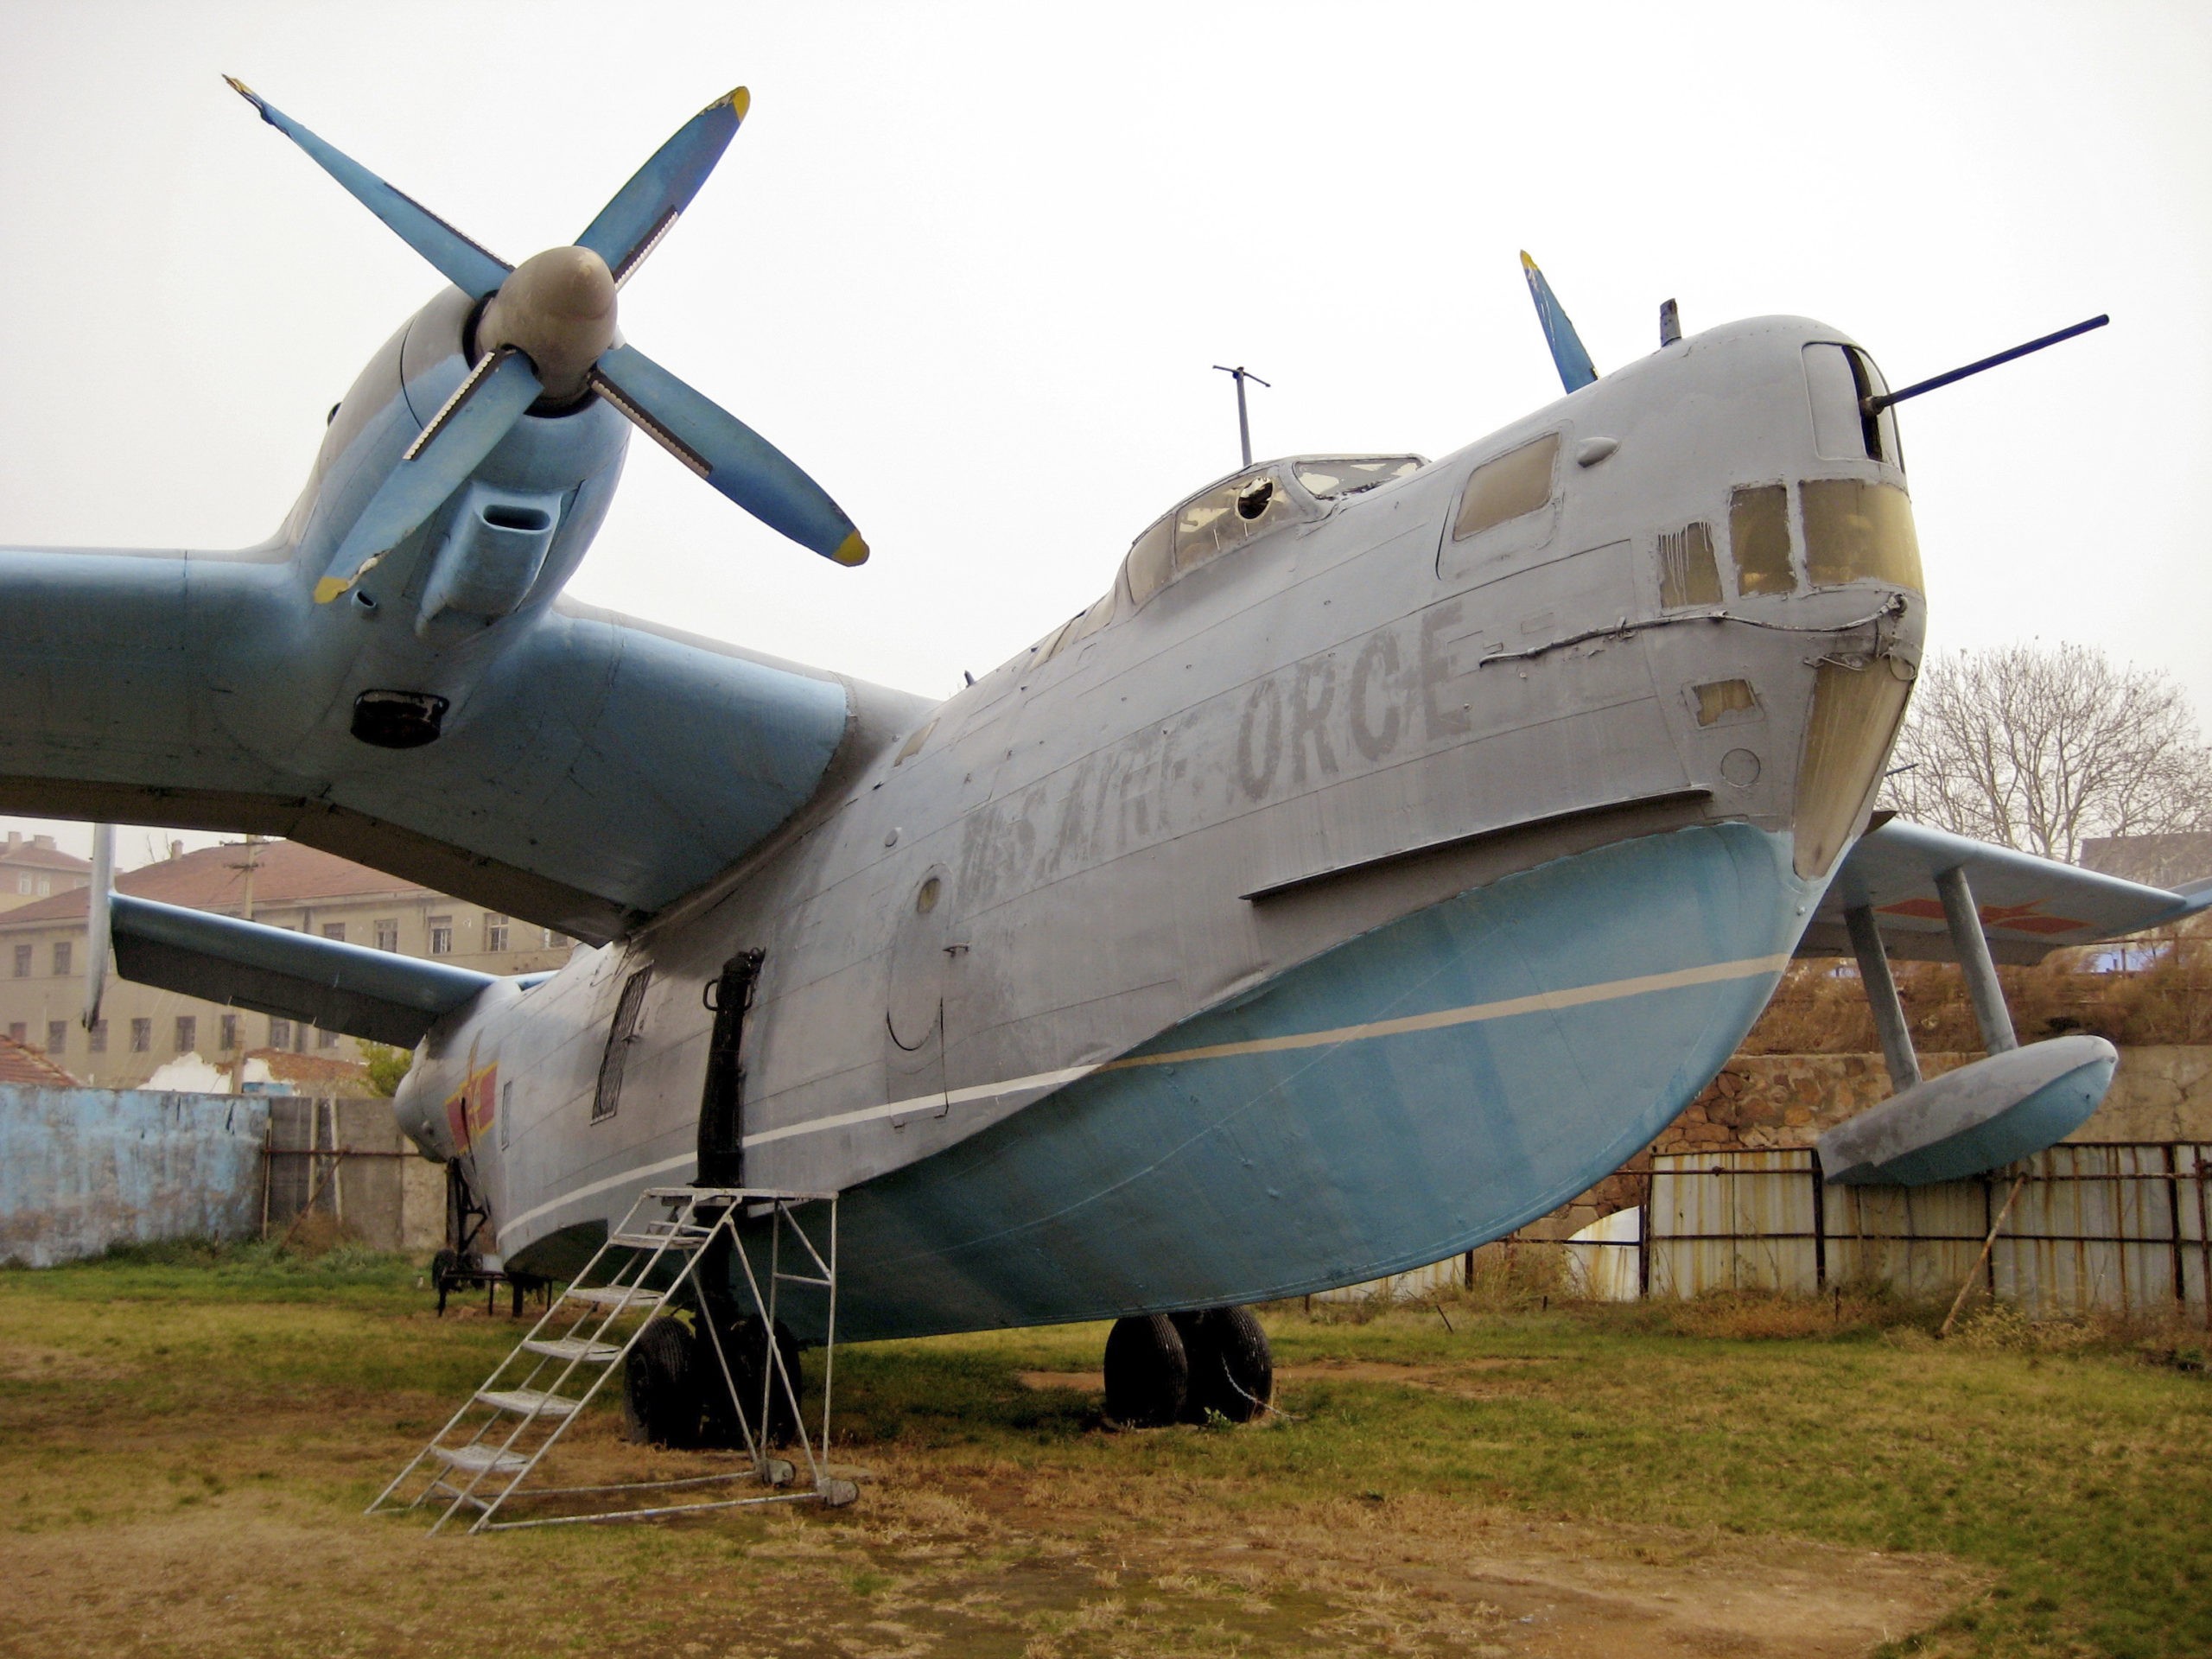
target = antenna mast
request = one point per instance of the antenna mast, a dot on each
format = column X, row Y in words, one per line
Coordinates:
column 1241, row 374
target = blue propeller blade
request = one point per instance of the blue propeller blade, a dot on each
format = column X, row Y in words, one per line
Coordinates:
column 629, row 226
column 459, row 437
column 1574, row 367
column 461, row 261
column 728, row 454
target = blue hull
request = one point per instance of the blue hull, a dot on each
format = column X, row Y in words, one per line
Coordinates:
column 1414, row 1092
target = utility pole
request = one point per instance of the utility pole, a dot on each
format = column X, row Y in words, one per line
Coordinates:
column 1241, row 374
column 251, row 847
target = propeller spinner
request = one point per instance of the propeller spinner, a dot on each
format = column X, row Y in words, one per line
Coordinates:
column 547, row 335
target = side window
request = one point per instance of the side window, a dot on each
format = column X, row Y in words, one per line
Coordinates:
column 618, row 1038
column 1758, row 537
column 1687, row 575
column 1152, row 561
column 1514, row 485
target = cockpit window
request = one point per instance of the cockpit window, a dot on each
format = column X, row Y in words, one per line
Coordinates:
column 1514, row 485
column 1334, row 475
column 1228, row 515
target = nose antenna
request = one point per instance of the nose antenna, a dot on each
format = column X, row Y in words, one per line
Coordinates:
column 1874, row 404
column 1241, row 374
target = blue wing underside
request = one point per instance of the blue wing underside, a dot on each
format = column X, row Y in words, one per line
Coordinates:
column 592, row 769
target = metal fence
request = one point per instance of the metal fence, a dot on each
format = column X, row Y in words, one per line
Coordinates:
column 2120, row 1226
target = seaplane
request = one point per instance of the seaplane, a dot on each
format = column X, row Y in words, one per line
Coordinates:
column 1394, row 847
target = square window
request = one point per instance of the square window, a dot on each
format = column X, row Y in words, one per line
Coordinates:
column 187, row 1033
column 280, row 1033
column 388, row 935
column 325, row 1038
column 64, row 957
column 142, row 1036
column 441, row 935
column 22, row 961
column 334, row 931
column 19, row 1031
column 96, row 1038
column 45, row 884
column 23, row 884
column 495, row 932
column 229, row 1032
column 57, row 1036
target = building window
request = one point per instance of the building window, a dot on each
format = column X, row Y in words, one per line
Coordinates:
column 441, row 936
column 61, row 958
column 325, row 1038
column 229, row 1032
column 388, row 935
column 22, row 961
column 20, row 1032
column 280, row 1033
column 334, row 931
column 553, row 940
column 57, row 1036
column 188, row 1032
column 495, row 932
column 23, row 884
column 96, row 1038
column 142, row 1036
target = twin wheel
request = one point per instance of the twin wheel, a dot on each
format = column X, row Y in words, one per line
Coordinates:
column 1188, row 1368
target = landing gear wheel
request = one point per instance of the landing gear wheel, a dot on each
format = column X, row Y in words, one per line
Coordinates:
column 750, row 1369
column 1148, row 1373
column 661, row 1386
column 1233, row 1370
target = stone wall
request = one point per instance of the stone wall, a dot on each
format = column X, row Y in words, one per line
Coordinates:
column 2159, row 1094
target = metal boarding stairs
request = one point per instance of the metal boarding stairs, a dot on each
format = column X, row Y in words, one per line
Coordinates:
column 487, row 1451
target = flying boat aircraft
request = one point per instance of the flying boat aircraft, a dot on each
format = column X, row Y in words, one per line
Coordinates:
column 1394, row 847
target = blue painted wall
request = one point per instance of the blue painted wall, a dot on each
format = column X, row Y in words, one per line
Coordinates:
column 82, row 1169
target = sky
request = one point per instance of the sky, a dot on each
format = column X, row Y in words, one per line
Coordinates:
column 970, row 265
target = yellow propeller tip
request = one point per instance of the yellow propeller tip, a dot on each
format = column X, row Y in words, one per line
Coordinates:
column 329, row 588
column 739, row 100
column 851, row 550
column 1527, row 263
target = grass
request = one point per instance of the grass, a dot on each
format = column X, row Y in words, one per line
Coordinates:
column 186, row 1437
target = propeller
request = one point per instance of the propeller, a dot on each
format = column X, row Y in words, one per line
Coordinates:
column 547, row 333
column 1575, row 369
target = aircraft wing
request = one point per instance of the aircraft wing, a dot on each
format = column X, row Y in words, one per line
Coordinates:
column 591, row 769
column 379, row 995
column 2030, row 905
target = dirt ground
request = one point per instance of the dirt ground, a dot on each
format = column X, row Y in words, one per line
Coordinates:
column 227, row 1520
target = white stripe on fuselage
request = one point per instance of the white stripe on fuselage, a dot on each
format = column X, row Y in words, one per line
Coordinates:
column 1444, row 1019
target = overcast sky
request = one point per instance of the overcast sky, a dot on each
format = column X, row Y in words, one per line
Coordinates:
column 970, row 264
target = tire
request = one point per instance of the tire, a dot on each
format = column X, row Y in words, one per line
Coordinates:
column 1148, row 1373
column 660, row 1387
column 1232, row 1369
column 750, row 1369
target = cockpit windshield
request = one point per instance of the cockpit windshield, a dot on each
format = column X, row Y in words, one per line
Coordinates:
column 1328, row 476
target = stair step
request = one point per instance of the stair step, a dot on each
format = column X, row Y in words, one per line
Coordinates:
column 523, row 1402
column 689, row 1240
column 593, row 1353
column 616, row 1296
column 482, row 1459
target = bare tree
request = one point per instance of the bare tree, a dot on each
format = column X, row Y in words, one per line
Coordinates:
column 2039, row 748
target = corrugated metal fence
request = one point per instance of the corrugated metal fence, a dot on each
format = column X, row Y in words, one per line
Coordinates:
column 2120, row 1226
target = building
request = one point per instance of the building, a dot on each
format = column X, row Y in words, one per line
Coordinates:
column 43, row 955
column 32, row 867
column 2165, row 861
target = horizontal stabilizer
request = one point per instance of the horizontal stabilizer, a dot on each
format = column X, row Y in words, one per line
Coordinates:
column 2030, row 907
column 342, row 988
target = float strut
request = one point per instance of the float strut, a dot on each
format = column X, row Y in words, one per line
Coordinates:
column 1972, row 946
column 1882, row 997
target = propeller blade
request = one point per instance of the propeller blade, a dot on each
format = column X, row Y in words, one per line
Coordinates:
column 631, row 227
column 461, row 261
column 1575, row 370
column 493, row 397
column 728, row 454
